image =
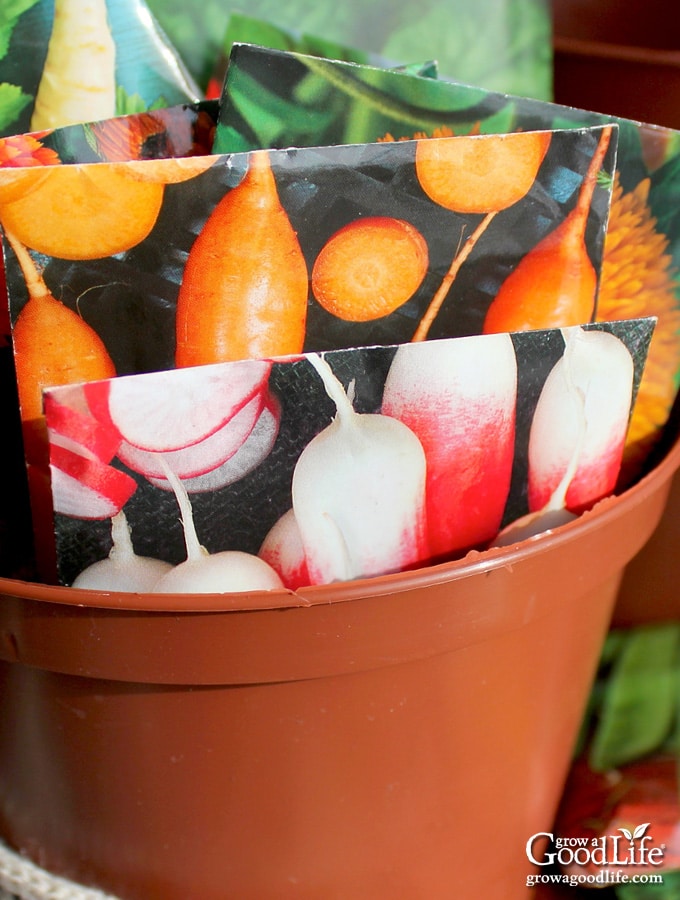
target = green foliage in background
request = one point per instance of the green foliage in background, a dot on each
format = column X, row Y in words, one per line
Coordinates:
column 669, row 890
column 636, row 701
column 502, row 45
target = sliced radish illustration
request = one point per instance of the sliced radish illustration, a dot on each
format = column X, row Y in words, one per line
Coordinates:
column 86, row 487
column 203, row 456
column 359, row 492
column 282, row 548
column 459, row 397
column 579, row 426
column 158, row 412
column 254, row 450
column 75, row 428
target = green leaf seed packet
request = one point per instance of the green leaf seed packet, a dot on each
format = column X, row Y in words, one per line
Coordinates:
column 242, row 29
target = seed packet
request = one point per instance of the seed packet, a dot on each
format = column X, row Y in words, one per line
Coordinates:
column 642, row 250
column 68, row 61
column 168, row 132
column 148, row 265
column 316, row 468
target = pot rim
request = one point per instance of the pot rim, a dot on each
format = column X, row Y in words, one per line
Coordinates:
column 475, row 562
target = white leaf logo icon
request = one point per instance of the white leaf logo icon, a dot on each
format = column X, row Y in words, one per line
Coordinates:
column 637, row 833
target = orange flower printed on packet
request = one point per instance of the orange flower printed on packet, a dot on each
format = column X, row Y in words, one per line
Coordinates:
column 26, row 150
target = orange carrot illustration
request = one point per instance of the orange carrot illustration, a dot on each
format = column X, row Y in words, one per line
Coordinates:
column 555, row 284
column 245, row 284
column 475, row 174
column 53, row 345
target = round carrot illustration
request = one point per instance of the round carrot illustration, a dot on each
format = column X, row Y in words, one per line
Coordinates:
column 480, row 173
column 80, row 212
column 369, row 268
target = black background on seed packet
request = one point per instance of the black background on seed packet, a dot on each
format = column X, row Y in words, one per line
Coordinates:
column 130, row 299
column 238, row 516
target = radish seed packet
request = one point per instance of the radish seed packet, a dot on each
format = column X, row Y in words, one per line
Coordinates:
column 333, row 466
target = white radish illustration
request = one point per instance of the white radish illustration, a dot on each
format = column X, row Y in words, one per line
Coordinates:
column 577, row 432
column 122, row 570
column 202, row 572
column 254, row 450
column 581, row 420
column 194, row 424
column 359, row 492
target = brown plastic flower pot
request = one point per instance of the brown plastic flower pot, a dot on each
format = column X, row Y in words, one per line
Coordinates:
column 396, row 737
column 619, row 58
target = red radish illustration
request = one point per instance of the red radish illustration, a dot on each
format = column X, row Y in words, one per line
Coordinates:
column 86, row 487
column 202, row 456
column 580, row 422
column 153, row 413
column 282, row 548
column 459, row 397
column 202, row 572
column 70, row 424
column 197, row 426
column 122, row 570
column 359, row 492
column 254, row 450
